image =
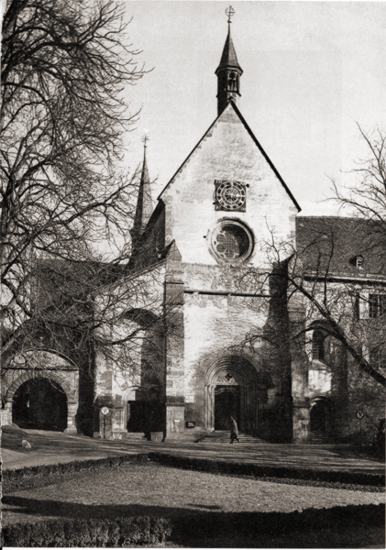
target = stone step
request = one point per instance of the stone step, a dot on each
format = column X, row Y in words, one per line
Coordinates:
column 319, row 438
column 195, row 436
column 224, row 437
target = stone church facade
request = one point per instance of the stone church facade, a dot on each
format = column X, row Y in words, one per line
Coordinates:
column 217, row 333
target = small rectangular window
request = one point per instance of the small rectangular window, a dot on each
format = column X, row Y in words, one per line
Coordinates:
column 357, row 307
column 383, row 304
column 377, row 357
column 377, row 305
column 318, row 345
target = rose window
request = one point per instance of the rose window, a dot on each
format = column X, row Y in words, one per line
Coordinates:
column 231, row 241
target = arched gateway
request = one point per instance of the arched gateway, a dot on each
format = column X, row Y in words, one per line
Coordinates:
column 40, row 403
column 234, row 387
column 40, row 391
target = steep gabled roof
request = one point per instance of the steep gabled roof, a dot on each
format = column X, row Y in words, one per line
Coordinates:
column 330, row 245
column 232, row 105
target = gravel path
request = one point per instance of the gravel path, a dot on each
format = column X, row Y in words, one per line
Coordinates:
column 55, row 447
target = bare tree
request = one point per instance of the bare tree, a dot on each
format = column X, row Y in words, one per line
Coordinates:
column 65, row 70
column 367, row 198
column 352, row 313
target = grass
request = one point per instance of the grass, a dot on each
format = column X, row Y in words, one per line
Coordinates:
column 220, row 506
column 142, row 486
column 279, row 471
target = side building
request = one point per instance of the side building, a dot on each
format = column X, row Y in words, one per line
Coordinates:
column 343, row 266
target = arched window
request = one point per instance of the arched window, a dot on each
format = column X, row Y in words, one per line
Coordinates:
column 318, row 349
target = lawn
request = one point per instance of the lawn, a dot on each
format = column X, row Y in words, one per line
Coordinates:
column 150, row 489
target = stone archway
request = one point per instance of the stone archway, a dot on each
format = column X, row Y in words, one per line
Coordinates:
column 42, row 369
column 235, row 384
column 40, row 403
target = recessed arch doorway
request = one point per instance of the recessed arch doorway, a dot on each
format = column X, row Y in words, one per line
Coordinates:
column 320, row 417
column 234, row 387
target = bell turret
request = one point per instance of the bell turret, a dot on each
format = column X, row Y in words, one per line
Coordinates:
column 229, row 71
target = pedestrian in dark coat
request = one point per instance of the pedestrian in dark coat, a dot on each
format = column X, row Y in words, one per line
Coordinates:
column 234, row 430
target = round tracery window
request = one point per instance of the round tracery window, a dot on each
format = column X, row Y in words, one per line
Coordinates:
column 231, row 241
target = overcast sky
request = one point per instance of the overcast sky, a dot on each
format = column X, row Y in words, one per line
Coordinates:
column 311, row 71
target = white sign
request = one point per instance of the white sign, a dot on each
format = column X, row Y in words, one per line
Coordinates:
column 105, row 410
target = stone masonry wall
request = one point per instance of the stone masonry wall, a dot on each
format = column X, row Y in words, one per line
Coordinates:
column 119, row 368
column 226, row 152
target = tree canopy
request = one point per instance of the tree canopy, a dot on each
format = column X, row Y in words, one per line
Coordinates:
column 65, row 70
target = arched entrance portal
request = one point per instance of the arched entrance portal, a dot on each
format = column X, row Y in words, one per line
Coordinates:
column 320, row 418
column 40, row 403
column 235, row 388
column 56, row 390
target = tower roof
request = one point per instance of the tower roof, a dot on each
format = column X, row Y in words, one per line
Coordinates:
column 144, row 207
column 229, row 57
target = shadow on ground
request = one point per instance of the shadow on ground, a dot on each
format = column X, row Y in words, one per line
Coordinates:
column 340, row 526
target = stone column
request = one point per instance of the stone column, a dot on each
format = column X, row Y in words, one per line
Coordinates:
column 72, row 408
column 103, row 422
column 6, row 414
column 104, row 389
column 118, row 418
column 339, row 415
column 299, row 373
column 174, row 343
column 113, row 424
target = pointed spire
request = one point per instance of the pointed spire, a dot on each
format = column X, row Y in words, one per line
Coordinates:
column 144, row 207
column 229, row 71
column 229, row 57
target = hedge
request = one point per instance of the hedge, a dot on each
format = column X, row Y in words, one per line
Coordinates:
column 150, row 531
column 118, row 532
column 255, row 524
column 265, row 472
column 38, row 476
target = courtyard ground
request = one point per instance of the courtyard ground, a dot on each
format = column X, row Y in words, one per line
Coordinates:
column 185, row 496
column 57, row 447
column 206, row 509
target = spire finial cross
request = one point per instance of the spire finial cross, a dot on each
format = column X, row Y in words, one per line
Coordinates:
column 230, row 13
column 145, row 139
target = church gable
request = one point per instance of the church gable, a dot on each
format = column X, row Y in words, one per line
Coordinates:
column 227, row 177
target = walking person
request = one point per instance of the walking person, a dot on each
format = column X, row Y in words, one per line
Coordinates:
column 234, row 430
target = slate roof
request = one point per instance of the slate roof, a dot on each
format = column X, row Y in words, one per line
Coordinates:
column 145, row 205
column 332, row 243
column 229, row 57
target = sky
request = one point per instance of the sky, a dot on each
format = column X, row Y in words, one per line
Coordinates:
column 312, row 71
